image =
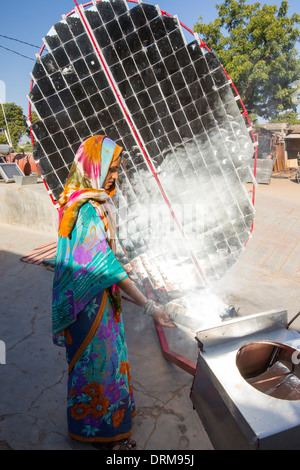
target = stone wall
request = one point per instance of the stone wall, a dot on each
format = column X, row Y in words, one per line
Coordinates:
column 28, row 206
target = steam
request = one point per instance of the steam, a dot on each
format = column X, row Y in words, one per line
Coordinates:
column 213, row 213
column 184, row 248
column 198, row 310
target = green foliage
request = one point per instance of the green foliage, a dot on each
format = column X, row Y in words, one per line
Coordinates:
column 256, row 45
column 16, row 123
column 290, row 117
column 27, row 148
column 34, row 117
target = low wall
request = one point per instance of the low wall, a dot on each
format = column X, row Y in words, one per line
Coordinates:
column 29, row 206
column 291, row 163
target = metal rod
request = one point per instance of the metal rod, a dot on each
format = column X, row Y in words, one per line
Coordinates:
column 8, row 133
column 292, row 320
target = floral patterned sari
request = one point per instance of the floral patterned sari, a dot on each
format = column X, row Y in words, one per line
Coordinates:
column 86, row 314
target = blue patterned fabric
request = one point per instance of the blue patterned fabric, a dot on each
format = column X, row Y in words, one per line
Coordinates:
column 100, row 397
column 85, row 265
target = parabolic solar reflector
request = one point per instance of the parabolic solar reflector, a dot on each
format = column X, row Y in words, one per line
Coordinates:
column 129, row 71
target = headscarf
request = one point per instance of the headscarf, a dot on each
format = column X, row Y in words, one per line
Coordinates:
column 87, row 175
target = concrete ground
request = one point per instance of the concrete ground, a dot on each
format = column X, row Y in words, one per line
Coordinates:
column 33, row 377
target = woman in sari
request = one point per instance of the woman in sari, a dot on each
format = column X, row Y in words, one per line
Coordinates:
column 87, row 308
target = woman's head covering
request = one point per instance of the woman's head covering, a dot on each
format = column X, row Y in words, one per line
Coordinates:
column 87, row 175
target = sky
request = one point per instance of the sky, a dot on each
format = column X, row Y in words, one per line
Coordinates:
column 30, row 21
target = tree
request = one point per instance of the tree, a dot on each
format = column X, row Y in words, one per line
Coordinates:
column 256, row 45
column 289, row 116
column 34, row 118
column 28, row 147
column 16, row 123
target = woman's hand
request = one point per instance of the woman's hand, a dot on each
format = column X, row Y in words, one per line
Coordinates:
column 161, row 318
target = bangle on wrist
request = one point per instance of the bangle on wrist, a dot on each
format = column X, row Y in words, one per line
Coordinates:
column 149, row 307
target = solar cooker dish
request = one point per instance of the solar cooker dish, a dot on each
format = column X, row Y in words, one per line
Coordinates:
column 136, row 74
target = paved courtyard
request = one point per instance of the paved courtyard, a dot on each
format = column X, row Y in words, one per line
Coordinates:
column 33, row 380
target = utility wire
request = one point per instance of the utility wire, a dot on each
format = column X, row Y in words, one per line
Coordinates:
column 18, row 40
column 22, row 55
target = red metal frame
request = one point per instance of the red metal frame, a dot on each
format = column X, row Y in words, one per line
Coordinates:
column 171, row 356
column 180, row 361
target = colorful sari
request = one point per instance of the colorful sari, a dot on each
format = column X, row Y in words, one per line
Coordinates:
column 86, row 312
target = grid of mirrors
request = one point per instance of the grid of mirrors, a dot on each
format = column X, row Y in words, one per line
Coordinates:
column 182, row 211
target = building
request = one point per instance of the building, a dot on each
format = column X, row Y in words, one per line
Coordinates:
column 282, row 141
